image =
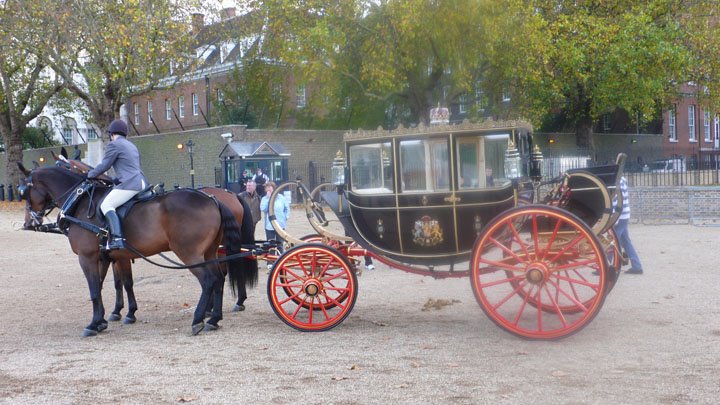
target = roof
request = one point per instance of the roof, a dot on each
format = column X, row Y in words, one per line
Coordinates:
column 253, row 149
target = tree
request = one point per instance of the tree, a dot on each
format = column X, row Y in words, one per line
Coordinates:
column 108, row 51
column 401, row 54
column 26, row 84
column 603, row 55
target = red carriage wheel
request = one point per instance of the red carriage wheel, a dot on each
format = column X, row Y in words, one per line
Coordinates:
column 539, row 272
column 315, row 238
column 312, row 287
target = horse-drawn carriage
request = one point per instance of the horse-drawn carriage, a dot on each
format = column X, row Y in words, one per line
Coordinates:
column 456, row 201
column 448, row 201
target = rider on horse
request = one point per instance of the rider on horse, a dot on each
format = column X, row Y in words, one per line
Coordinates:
column 123, row 156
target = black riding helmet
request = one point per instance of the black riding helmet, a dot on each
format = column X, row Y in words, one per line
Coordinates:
column 118, row 127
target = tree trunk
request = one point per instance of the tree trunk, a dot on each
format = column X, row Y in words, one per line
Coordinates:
column 14, row 154
column 584, row 134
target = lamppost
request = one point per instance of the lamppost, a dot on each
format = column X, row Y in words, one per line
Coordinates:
column 190, row 144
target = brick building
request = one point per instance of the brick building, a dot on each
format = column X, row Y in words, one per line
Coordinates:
column 691, row 131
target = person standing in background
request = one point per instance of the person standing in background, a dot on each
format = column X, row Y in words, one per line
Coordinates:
column 282, row 213
column 252, row 198
column 621, row 229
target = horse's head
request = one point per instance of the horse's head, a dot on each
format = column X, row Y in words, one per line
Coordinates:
column 38, row 202
column 44, row 189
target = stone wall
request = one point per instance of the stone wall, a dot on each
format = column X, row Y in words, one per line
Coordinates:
column 162, row 161
column 695, row 205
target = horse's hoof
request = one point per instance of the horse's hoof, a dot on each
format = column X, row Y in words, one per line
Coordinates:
column 114, row 317
column 89, row 332
column 238, row 308
column 209, row 327
column 197, row 328
column 129, row 320
column 102, row 326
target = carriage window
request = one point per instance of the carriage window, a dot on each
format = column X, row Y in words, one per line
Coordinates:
column 481, row 161
column 424, row 165
column 371, row 168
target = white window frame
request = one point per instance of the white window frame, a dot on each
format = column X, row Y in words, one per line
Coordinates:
column 300, row 100
column 91, row 133
column 480, row 99
column 706, row 124
column 181, row 106
column 168, row 109
column 136, row 111
column 462, row 104
column 672, row 125
column 195, row 104
column 150, row 111
column 692, row 135
column 219, row 95
column 67, row 134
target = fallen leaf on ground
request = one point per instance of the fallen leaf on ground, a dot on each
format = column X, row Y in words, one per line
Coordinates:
column 558, row 373
column 378, row 323
column 187, row 399
column 453, row 365
column 403, row 385
column 354, row 367
column 340, row 378
column 438, row 304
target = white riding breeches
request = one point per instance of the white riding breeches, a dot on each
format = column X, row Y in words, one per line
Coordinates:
column 116, row 198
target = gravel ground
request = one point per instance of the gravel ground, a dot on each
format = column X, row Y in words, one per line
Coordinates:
column 655, row 340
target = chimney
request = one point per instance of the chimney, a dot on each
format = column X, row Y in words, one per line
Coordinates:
column 198, row 22
column 228, row 12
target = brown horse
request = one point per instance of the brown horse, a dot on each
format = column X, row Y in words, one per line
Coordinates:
column 122, row 269
column 187, row 222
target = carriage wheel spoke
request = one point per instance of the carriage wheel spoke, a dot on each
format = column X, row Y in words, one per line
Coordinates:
column 555, row 305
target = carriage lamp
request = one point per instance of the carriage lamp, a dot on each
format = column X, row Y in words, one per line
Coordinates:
column 512, row 161
column 338, row 169
column 536, row 161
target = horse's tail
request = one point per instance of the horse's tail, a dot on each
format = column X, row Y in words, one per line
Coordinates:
column 242, row 270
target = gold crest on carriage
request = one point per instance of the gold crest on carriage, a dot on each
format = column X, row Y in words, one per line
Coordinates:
column 427, row 232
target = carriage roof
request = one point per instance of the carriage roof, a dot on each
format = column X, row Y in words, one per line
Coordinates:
column 488, row 126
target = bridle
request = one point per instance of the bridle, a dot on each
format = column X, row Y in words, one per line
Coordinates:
column 36, row 217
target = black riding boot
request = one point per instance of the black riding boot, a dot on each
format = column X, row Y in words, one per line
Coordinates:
column 115, row 236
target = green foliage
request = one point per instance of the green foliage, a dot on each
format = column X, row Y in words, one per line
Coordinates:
column 34, row 138
column 107, row 51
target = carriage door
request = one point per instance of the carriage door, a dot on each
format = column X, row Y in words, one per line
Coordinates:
column 425, row 201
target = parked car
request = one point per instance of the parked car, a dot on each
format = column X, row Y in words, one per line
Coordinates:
column 668, row 165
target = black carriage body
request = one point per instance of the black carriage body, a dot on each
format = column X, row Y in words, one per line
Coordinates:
column 423, row 196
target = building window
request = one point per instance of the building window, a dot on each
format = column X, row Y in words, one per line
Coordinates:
column 480, row 99
column 506, row 95
column 706, row 123
column 346, row 103
column 672, row 128
column 92, row 133
column 691, row 123
column 196, row 106
column 277, row 90
column 462, row 107
column 136, row 110
column 168, row 110
column 67, row 135
column 220, row 96
column 300, row 96
column 717, row 128
column 181, row 106
column 150, row 118
column 605, row 122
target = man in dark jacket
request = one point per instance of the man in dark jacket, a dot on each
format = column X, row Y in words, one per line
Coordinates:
column 252, row 198
column 123, row 156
